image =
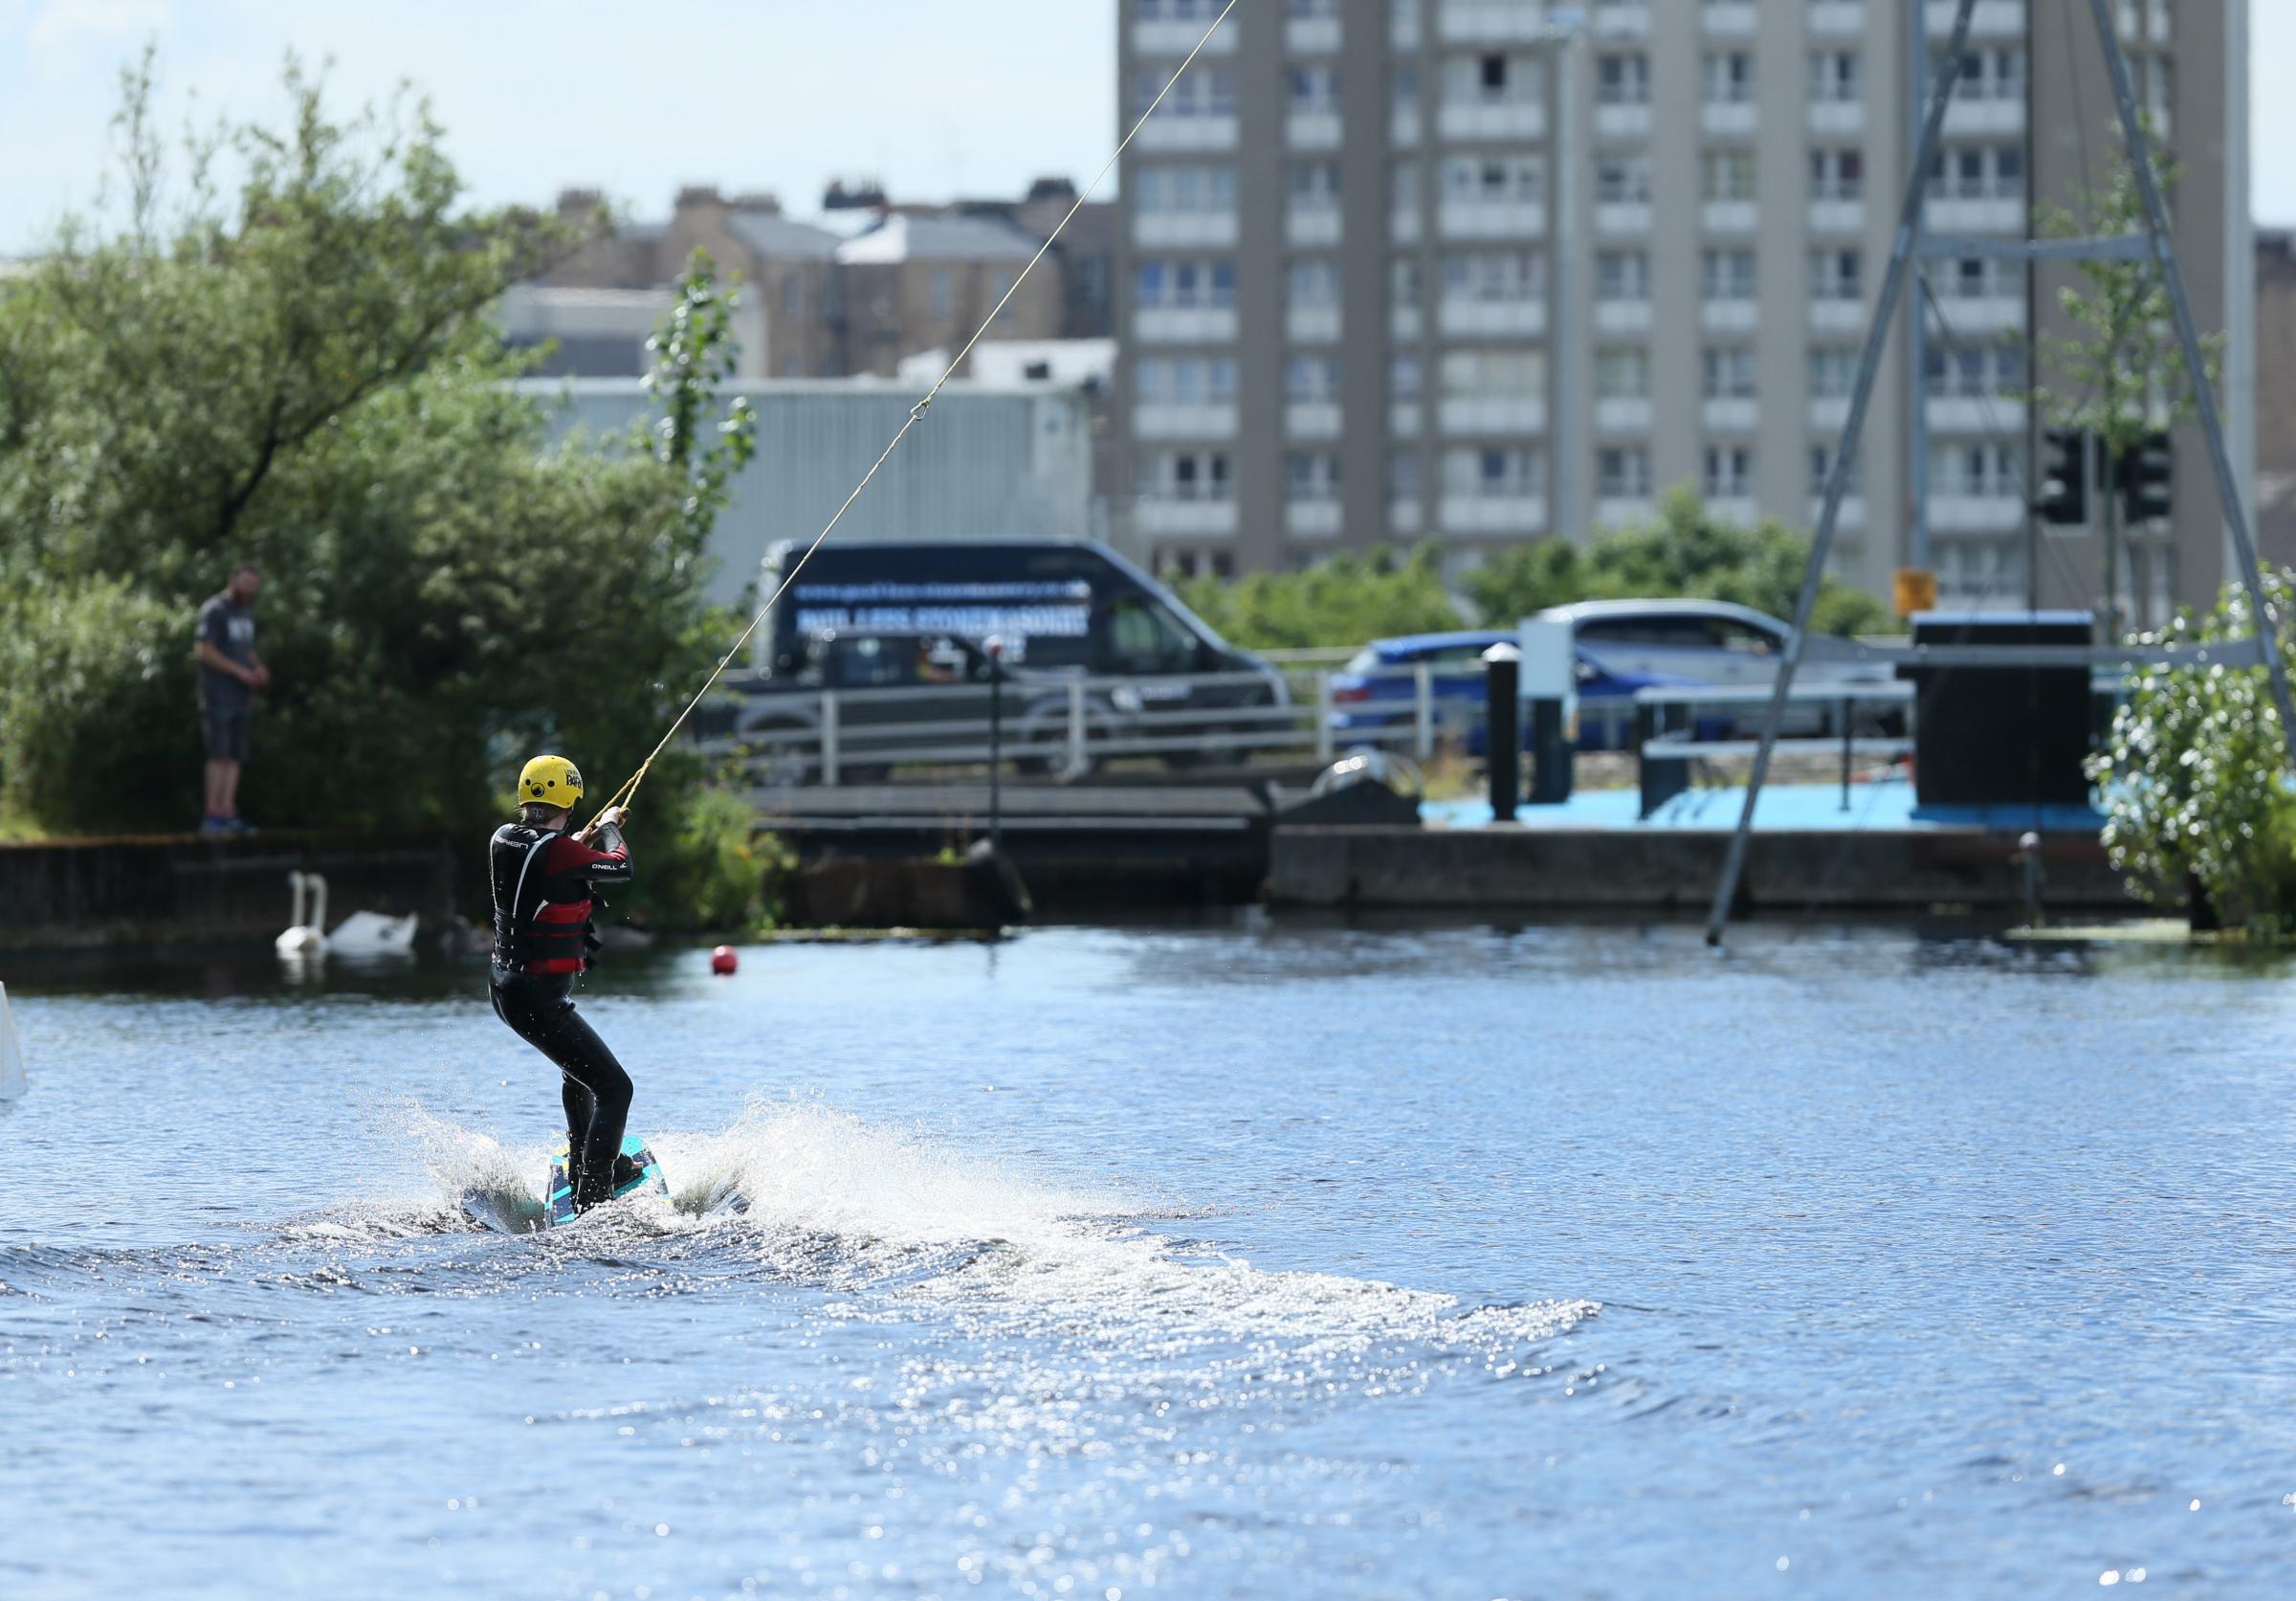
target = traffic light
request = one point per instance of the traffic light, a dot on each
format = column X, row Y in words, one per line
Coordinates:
column 2064, row 481
column 2145, row 476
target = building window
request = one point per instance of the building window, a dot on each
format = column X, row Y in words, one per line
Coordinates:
column 1494, row 180
column 1199, row 475
column 1403, row 281
column 1312, row 380
column 1622, row 472
column 1185, row 285
column 1837, row 275
column 1727, row 373
column 1621, row 274
column 1311, row 476
column 1402, row 187
column 1727, row 275
column 1403, row 378
column 1622, row 77
column 1494, row 276
column 1833, row 371
column 1165, row 188
column 1726, row 175
column 1495, row 374
column 1622, row 177
column 1315, row 185
column 1495, row 473
column 1837, row 77
column 1623, row 372
column 1822, row 472
column 1726, row 78
column 1186, row 381
column 1403, row 474
column 1728, row 472
column 1490, row 78
column 1979, row 172
column 1315, row 87
column 1838, row 174
column 1199, row 92
column 1312, row 284
column 1974, row 372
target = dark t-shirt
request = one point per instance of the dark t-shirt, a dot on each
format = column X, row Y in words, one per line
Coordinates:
column 230, row 628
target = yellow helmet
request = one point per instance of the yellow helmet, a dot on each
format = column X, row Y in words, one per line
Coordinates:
column 549, row 781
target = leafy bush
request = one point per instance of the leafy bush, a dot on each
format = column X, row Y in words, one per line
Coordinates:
column 1683, row 551
column 99, row 722
column 703, row 866
column 2194, row 783
column 1343, row 600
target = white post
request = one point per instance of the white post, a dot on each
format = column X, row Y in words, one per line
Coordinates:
column 1323, row 719
column 1076, row 725
column 829, row 736
column 12, row 1054
column 1423, row 695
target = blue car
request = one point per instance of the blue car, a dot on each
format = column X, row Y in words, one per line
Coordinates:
column 1375, row 690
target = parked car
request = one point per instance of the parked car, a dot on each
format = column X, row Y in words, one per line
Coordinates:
column 913, row 616
column 1715, row 642
column 1376, row 692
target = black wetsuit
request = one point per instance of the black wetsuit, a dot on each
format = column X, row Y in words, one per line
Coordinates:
column 543, row 880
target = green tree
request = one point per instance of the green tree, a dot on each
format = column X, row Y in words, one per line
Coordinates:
column 2191, row 778
column 2122, row 377
column 1343, row 600
column 305, row 374
column 1682, row 551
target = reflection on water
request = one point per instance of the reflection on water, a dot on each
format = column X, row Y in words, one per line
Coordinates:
column 1275, row 1258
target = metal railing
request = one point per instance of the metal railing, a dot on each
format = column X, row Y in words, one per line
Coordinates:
column 1669, row 744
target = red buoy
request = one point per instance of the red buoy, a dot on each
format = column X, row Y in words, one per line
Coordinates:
column 723, row 961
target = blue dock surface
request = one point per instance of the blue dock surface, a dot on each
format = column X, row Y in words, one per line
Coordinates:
column 1885, row 804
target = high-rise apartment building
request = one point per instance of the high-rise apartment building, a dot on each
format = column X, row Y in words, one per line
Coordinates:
column 1484, row 271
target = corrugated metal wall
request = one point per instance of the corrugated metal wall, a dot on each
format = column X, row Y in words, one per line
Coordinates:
column 986, row 463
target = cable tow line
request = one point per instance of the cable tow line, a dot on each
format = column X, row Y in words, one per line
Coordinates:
column 629, row 791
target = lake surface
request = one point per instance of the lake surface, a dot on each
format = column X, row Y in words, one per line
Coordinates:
column 1242, row 1262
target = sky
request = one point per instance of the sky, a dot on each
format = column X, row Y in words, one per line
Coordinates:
column 934, row 97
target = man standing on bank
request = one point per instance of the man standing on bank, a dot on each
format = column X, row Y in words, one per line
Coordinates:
column 229, row 676
column 543, row 878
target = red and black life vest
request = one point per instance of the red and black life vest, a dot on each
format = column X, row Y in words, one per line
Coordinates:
column 541, row 918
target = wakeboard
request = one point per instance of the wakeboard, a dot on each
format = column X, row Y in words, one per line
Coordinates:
column 558, row 1202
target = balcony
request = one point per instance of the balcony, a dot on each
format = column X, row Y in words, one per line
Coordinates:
column 1994, row 115
column 1623, row 317
column 1520, row 513
column 1612, row 512
column 1983, row 314
column 1830, row 413
column 1312, row 420
column 1492, row 22
column 1499, row 414
column 1976, row 508
column 1838, row 119
column 1622, row 121
column 1491, row 219
column 1993, row 19
column 1977, row 208
column 1402, row 129
column 1622, row 217
column 1183, row 420
column 1734, row 506
column 1169, row 133
column 1311, row 518
column 1403, row 225
column 1518, row 318
column 1730, row 216
column 1500, row 120
column 1185, row 324
column 1729, row 316
column 1309, row 225
column 1988, row 414
column 1176, row 37
column 1402, row 28
column 1185, row 229
column 1312, row 130
column 1312, row 36
column 1622, row 19
column 1158, row 514
column 1837, row 214
column 1731, row 414
column 1852, row 517
column 1729, row 118
column 1404, row 324
column 1830, row 316
column 1402, row 419
column 1623, row 415
column 1741, row 20
column 1837, row 19
column 1403, row 518
column 1311, row 325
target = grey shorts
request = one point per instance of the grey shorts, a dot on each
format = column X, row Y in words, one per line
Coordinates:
column 227, row 733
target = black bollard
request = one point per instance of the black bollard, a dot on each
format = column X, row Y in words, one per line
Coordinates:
column 996, row 745
column 1502, row 682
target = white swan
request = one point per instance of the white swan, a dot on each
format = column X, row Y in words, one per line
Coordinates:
column 305, row 939
column 372, row 934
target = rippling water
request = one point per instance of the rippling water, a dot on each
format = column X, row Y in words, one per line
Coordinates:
column 1222, row 1262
